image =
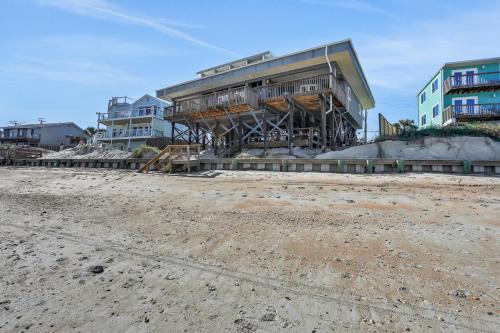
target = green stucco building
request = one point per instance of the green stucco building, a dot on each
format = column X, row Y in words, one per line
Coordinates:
column 462, row 91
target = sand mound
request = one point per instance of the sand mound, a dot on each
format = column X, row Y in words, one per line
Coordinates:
column 453, row 148
column 88, row 152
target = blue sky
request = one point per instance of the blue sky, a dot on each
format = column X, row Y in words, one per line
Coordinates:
column 63, row 60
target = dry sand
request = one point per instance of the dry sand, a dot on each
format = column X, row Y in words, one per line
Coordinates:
column 247, row 252
column 88, row 152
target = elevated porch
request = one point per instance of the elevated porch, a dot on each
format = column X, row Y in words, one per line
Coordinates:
column 304, row 92
column 476, row 112
column 459, row 83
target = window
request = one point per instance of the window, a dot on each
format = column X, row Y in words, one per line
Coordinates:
column 434, row 86
column 422, row 97
column 423, row 120
column 435, row 111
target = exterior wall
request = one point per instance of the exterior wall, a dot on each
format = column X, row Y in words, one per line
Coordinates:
column 481, row 68
column 154, row 122
column 47, row 135
column 55, row 135
column 447, row 100
column 483, row 97
column 431, row 100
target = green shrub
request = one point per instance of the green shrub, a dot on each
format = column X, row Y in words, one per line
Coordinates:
column 476, row 129
column 144, row 150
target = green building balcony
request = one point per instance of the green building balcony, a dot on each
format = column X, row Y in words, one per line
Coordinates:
column 460, row 83
column 476, row 112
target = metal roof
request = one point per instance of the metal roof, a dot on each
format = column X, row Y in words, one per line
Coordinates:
column 38, row 125
column 341, row 52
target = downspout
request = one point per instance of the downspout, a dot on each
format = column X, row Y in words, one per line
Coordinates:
column 331, row 80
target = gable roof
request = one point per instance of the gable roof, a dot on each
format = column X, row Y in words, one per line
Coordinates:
column 44, row 125
column 152, row 97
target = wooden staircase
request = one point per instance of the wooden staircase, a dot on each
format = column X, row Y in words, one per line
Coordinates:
column 174, row 156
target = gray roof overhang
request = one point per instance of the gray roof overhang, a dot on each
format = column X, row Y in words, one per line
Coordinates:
column 342, row 53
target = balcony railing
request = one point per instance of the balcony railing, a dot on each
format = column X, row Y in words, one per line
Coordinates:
column 252, row 97
column 130, row 134
column 129, row 114
column 472, row 111
column 306, row 86
column 459, row 81
column 217, row 100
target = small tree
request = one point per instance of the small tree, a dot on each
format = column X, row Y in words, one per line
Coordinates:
column 407, row 124
column 91, row 130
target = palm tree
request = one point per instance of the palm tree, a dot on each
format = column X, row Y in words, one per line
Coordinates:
column 91, row 130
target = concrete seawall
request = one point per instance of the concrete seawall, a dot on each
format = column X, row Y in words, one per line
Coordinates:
column 285, row 165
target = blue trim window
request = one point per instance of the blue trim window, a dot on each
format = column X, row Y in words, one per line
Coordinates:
column 435, row 111
column 423, row 120
column 435, row 85
column 422, row 98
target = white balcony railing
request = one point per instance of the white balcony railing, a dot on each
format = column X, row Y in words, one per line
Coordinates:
column 130, row 114
column 130, row 134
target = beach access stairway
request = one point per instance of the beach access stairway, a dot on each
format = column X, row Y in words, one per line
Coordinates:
column 185, row 157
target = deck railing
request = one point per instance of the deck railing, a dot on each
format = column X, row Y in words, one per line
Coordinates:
column 306, row 86
column 460, row 81
column 472, row 111
column 129, row 114
column 216, row 100
column 130, row 134
column 245, row 95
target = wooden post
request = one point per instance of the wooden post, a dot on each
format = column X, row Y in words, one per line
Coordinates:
column 197, row 133
column 173, row 133
column 215, row 143
column 323, row 123
column 264, row 131
column 240, row 134
column 290, row 128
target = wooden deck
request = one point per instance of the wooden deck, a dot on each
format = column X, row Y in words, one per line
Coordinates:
column 305, row 91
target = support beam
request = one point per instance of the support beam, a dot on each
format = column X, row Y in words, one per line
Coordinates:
column 197, row 133
column 172, row 137
column 215, row 139
column 240, row 133
column 323, row 123
column 291, row 108
column 264, row 131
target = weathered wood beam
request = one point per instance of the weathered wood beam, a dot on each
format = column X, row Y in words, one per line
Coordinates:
column 291, row 108
column 323, row 123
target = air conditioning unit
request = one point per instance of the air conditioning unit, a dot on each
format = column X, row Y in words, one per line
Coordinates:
column 308, row 87
column 223, row 99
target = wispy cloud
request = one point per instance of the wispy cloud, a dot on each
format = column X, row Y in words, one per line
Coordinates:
column 91, row 46
column 349, row 4
column 105, row 10
column 67, row 71
column 405, row 60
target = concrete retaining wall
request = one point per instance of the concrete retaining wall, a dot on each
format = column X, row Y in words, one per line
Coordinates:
column 287, row 165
